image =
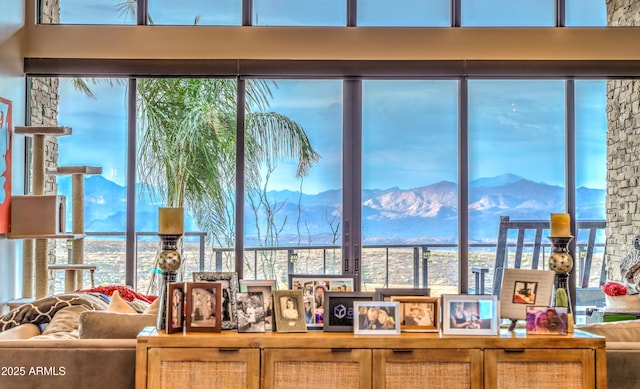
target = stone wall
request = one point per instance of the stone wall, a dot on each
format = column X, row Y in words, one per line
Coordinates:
column 623, row 151
column 43, row 109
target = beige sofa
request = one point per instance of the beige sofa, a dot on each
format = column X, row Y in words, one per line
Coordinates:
column 80, row 346
column 623, row 352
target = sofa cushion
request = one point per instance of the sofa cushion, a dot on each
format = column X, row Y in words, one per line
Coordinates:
column 119, row 305
column 152, row 309
column 616, row 331
column 23, row 331
column 113, row 325
column 65, row 335
column 65, row 320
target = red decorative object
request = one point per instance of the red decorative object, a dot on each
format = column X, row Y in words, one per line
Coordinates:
column 125, row 292
column 612, row 288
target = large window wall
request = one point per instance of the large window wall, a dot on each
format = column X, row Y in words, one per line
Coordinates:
column 293, row 214
column 451, row 145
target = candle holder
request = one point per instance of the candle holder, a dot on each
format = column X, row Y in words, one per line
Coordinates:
column 561, row 262
column 169, row 261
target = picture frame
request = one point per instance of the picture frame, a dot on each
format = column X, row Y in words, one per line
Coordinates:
column 524, row 287
column 376, row 318
column 289, row 311
column 339, row 311
column 175, row 307
column 250, row 312
column 204, row 306
column 469, row 314
column 229, row 281
column 543, row 320
column 419, row 314
column 314, row 286
column 266, row 288
column 385, row 294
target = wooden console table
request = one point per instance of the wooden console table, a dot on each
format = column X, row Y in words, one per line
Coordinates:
column 344, row 360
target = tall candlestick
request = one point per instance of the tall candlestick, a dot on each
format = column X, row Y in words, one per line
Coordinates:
column 560, row 224
column 171, row 221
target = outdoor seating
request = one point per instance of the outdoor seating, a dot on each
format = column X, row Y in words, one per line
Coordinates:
column 538, row 226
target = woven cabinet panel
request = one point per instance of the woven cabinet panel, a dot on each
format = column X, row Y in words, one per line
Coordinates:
column 313, row 375
column 197, row 375
column 454, row 375
column 547, row 375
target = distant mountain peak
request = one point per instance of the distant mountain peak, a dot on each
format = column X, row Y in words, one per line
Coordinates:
column 491, row 182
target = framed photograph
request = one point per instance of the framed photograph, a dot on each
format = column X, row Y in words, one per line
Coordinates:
column 469, row 314
column 385, row 294
column 419, row 314
column 203, row 308
column 175, row 307
column 546, row 320
column 339, row 310
column 523, row 287
column 266, row 288
column 376, row 317
column 313, row 288
column 250, row 312
column 289, row 311
column 229, row 281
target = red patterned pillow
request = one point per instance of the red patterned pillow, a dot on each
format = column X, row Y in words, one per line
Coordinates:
column 125, row 292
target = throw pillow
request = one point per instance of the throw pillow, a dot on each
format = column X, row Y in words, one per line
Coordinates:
column 110, row 325
column 117, row 304
column 616, row 331
column 65, row 320
column 23, row 331
column 152, row 309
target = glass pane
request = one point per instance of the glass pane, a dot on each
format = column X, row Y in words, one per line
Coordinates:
column 591, row 184
column 516, row 160
column 200, row 12
column 585, row 13
column 300, row 13
column 416, row 13
column 99, row 138
column 293, row 179
column 513, row 13
column 409, row 183
column 89, row 12
column 198, row 174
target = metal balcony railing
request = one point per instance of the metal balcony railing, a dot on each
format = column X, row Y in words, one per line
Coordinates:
column 421, row 255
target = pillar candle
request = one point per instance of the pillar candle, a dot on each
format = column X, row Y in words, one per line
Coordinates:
column 171, row 221
column 560, row 224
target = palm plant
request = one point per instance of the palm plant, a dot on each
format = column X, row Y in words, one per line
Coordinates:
column 188, row 140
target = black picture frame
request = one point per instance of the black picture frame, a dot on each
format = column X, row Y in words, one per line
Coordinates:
column 315, row 286
column 339, row 311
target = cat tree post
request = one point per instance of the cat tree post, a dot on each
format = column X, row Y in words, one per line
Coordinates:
column 73, row 276
column 35, row 256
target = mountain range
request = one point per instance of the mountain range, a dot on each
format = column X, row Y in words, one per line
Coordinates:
column 427, row 213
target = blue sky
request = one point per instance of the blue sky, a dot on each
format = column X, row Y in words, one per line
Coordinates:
column 410, row 127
